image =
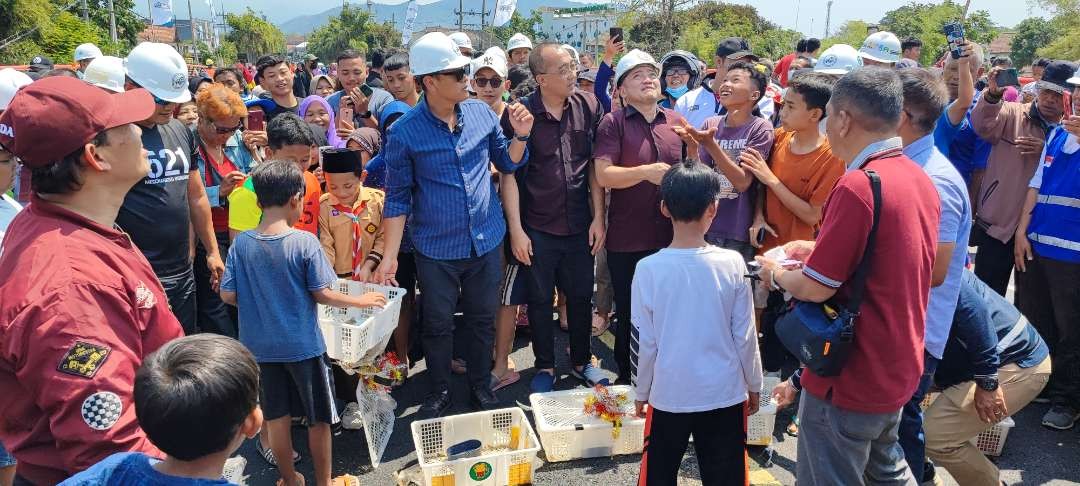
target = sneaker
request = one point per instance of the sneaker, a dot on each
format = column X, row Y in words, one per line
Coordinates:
column 1060, row 417
column 542, row 382
column 350, row 417
column 591, row 375
column 484, row 399
column 435, row 405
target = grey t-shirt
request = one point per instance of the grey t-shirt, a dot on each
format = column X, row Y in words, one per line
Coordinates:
column 735, row 212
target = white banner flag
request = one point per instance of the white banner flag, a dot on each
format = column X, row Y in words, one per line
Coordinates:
column 410, row 21
column 504, row 9
column 162, row 13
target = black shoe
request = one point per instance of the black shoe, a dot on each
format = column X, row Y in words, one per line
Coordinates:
column 435, row 405
column 484, row 399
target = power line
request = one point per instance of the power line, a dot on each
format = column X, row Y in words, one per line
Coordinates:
column 17, row 37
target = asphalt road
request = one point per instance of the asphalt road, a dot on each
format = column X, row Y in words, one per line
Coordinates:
column 1033, row 454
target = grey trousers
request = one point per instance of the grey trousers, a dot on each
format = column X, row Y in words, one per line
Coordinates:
column 850, row 448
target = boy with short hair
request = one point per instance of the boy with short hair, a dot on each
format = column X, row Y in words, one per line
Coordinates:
column 197, row 399
column 693, row 314
column 275, row 274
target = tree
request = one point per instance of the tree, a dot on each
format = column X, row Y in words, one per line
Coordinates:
column 354, row 28
column 226, row 53
column 852, row 33
column 517, row 23
column 1031, row 34
column 1066, row 24
column 30, row 28
column 926, row 21
column 128, row 23
column 253, row 36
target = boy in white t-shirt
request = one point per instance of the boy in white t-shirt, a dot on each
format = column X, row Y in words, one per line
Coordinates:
column 698, row 364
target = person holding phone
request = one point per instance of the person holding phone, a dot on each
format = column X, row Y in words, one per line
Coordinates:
column 1017, row 133
column 276, row 78
column 364, row 102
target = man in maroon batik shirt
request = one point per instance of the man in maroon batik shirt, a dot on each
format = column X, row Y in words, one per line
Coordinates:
column 86, row 307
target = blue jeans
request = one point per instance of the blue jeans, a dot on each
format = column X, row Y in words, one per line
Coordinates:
column 6, row 459
column 474, row 281
column 912, row 436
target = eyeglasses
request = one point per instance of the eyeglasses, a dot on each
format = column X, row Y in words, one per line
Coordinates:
column 457, row 74
column 676, row 72
column 489, row 82
column 564, row 71
column 223, row 131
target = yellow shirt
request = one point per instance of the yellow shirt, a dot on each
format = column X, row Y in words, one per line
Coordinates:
column 245, row 214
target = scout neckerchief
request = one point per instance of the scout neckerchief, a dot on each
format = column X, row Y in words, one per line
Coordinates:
column 357, row 252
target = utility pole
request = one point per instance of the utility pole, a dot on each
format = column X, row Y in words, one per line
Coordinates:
column 828, row 16
column 194, row 42
column 85, row 12
column 112, row 21
column 483, row 10
column 460, row 18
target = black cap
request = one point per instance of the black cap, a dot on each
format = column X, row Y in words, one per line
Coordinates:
column 39, row 65
column 734, row 48
column 1056, row 76
column 341, row 160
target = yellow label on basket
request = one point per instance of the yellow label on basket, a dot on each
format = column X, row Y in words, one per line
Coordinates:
column 520, row 474
column 447, row 480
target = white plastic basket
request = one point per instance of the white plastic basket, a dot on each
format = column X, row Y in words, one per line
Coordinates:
column 496, row 464
column 568, row 433
column 759, row 426
column 358, row 335
column 992, row 441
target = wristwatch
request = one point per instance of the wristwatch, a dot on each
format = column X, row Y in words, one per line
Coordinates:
column 987, row 383
column 366, row 114
column 522, row 138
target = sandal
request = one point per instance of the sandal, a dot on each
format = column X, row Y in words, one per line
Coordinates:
column 345, row 480
column 793, row 427
column 508, row 379
column 299, row 480
column 600, row 325
column 268, row 454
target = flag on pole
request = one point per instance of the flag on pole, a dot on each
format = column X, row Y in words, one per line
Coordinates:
column 504, row 9
column 410, row 21
column 162, row 13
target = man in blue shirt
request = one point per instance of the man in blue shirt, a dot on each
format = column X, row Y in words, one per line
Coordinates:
column 994, row 364
column 437, row 158
column 924, row 102
column 1047, row 257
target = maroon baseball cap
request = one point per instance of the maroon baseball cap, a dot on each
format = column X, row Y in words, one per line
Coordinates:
column 51, row 118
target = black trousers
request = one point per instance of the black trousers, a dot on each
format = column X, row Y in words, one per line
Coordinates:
column 212, row 314
column 443, row 283
column 180, row 290
column 568, row 261
column 993, row 261
column 1048, row 294
column 719, row 441
column 622, row 266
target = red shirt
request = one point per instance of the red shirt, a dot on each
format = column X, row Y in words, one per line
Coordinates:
column 635, row 222
column 73, row 329
column 782, row 66
column 219, row 215
column 887, row 360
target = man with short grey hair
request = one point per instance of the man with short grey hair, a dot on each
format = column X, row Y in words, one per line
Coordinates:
column 849, row 421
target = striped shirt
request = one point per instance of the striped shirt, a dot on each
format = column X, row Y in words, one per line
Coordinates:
column 440, row 179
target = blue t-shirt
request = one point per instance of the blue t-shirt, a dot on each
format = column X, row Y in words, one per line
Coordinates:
column 134, row 468
column 954, row 227
column 273, row 277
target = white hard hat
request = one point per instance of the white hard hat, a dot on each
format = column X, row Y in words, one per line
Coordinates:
column 106, row 72
column 881, row 47
column 838, row 59
column 435, row 52
column 573, row 53
column 159, row 69
column 493, row 58
column 87, row 51
column 632, row 60
column 462, row 40
column 10, row 82
column 519, row 41
column 1075, row 80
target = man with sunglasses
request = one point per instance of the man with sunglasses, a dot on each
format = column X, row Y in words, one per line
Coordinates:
column 437, row 175
column 558, row 224
column 160, row 210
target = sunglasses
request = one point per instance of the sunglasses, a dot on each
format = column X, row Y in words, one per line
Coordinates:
column 458, row 74
column 160, row 102
column 677, row 72
column 489, row 82
column 223, row 131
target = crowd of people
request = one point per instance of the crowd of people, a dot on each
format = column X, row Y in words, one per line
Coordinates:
column 694, row 210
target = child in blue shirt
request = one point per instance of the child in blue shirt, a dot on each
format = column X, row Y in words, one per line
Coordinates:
column 276, row 275
column 197, row 398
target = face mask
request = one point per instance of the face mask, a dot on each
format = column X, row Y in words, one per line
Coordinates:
column 678, row 92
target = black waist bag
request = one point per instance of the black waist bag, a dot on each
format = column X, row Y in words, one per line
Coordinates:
column 821, row 335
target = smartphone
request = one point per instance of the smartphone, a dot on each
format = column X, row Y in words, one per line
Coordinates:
column 1007, row 77
column 760, row 237
column 954, row 34
column 345, row 115
column 615, row 33
column 364, row 88
column 256, row 120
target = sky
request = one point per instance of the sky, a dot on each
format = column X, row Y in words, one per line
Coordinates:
column 807, row 16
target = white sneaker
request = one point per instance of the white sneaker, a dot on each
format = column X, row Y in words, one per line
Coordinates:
column 350, row 417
